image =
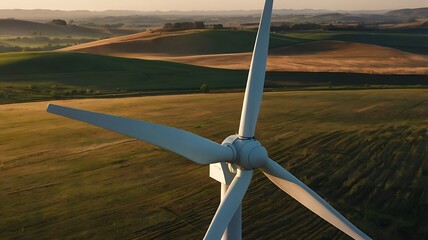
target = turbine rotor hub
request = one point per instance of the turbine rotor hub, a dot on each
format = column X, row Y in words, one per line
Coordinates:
column 248, row 152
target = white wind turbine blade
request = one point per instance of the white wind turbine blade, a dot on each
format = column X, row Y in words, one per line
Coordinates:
column 186, row 144
column 304, row 195
column 229, row 205
column 256, row 77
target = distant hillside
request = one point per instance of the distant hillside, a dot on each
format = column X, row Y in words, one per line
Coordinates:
column 182, row 43
column 410, row 13
column 344, row 17
column 24, row 28
column 45, row 14
column 156, row 18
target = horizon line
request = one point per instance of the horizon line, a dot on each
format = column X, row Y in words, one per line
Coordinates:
column 226, row 10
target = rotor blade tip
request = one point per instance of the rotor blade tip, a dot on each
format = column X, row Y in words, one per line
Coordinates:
column 50, row 107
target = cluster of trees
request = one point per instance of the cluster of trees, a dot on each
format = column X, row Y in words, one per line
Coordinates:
column 108, row 26
column 189, row 25
column 57, row 93
column 59, row 22
column 4, row 96
column 183, row 26
column 4, row 49
column 297, row 26
column 218, row 26
column 41, row 43
column 359, row 26
column 49, row 47
column 62, row 22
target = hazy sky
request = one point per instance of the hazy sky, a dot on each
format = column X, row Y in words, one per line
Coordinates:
column 150, row 5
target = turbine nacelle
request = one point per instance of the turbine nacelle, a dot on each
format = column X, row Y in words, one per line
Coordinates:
column 248, row 153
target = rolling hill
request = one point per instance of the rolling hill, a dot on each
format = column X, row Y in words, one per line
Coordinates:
column 363, row 151
column 14, row 27
column 414, row 43
column 294, row 52
column 410, row 13
column 86, row 70
column 52, row 75
column 193, row 42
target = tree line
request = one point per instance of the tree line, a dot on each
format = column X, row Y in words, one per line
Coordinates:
column 189, row 25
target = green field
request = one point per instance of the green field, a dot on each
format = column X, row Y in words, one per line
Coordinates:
column 86, row 70
column 42, row 76
column 47, row 75
column 25, row 36
column 40, row 43
column 364, row 151
column 415, row 43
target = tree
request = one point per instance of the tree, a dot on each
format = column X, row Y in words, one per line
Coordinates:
column 55, row 94
column 305, row 26
column 204, row 88
column 282, row 27
column 199, row 25
column 4, row 97
column 184, row 25
column 218, row 26
column 168, row 26
column 59, row 22
column 113, row 26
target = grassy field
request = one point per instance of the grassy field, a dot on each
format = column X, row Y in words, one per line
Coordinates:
column 40, row 43
column 48, row 75
column 415, row 43
column 85, row 70
column 364, row 151
column 62, row 75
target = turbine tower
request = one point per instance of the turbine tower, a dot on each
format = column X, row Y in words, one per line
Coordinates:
column 232, row 163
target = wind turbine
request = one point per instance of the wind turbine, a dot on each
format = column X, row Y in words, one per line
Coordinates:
column 232, row 162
